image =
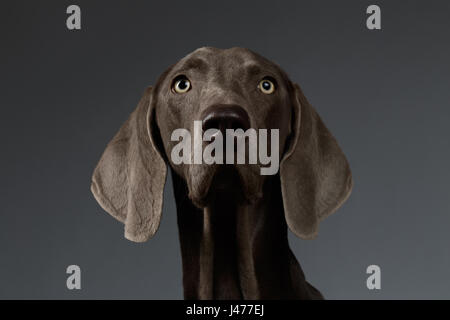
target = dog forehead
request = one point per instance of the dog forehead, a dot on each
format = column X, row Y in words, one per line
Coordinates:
column 235, row 53
column 223, row 59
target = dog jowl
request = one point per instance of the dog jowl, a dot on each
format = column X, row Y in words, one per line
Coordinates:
column 232, row 218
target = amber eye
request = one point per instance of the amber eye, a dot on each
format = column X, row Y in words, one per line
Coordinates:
column 267, row 86
column 181, row 84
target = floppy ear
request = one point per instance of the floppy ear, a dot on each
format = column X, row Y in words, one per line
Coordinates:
column 315, row 175
column 128, row 182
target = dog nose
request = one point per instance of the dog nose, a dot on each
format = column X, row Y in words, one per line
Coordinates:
column 225, row 116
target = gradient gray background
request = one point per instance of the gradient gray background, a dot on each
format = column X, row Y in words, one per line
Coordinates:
column 383, row 94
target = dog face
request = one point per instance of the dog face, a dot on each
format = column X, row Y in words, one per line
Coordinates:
column 223, row 89
column 226, row 89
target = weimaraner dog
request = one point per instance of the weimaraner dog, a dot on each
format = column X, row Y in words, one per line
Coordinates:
column 232, row 220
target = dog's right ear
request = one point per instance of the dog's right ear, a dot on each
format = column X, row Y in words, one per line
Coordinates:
column 128, row 182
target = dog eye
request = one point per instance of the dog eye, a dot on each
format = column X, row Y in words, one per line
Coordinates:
column 181, row 84
column 267, row 86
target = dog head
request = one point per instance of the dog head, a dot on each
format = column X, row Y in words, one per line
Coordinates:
column 220, row 90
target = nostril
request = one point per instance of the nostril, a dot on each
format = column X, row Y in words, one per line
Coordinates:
column 222, row 117
column 224, row 122
column 210, row 123
column 236, row 123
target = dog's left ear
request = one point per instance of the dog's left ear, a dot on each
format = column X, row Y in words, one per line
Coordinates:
column 315, row 175
column 129, row 179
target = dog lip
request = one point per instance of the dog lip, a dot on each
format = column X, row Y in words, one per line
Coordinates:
column 226, row 181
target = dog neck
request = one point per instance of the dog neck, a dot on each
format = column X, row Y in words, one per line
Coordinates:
column 232, row 250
